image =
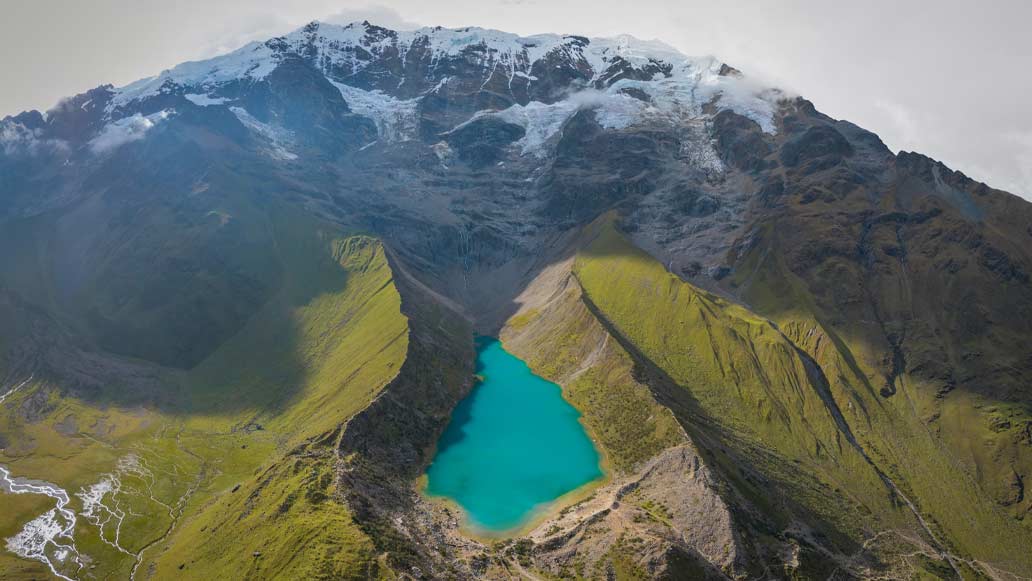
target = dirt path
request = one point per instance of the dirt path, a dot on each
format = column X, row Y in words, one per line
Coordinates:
column 525, row 574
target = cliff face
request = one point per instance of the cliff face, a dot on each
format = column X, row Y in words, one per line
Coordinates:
column 801, row 353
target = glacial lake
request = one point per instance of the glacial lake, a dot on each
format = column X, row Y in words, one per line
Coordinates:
column 512, row 446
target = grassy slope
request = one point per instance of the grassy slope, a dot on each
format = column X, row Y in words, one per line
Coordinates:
column 743, row 393
column 895, row 430
column 564, row 342
column 316, row 353
column 284, row 522
column 748, row 386
column 347, row 343
column 751, row 401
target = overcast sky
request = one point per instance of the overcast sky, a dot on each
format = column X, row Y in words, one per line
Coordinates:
column 947, row 78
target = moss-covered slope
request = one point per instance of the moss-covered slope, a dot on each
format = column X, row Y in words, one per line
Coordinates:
column 226, row 448
column 789, row 422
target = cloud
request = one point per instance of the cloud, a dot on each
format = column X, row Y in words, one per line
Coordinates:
column 1022, row 142
column 905, row 132
column 375, row 14
column 126, row 130
column 263, row 26
column 260, row 27
column 16, row 139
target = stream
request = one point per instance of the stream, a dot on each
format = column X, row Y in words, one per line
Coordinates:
column 49, row 538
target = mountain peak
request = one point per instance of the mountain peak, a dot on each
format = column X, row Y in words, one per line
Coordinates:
column 259, row 276
column 625, row 78
column 344, row 48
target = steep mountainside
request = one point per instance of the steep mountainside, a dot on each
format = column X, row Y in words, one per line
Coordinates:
column 238, row 301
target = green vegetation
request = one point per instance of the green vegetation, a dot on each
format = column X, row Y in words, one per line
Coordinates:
column 321, row 349
column 622, row 561
column 282, row 524
column 345, row 340
column 746, row 391
column 916, row 437
column 565, row 343
column 234, row 437
column 742, row 389
column 232, row 453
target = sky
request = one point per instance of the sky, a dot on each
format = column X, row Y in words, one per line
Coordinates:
column 950, row 79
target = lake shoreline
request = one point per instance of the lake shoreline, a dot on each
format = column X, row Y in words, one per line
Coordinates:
column 490, row 416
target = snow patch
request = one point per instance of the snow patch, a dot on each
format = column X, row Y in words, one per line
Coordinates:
column 8, row 393
column 443, row 151
column 204, row 100
column 253, row 62
column 540, row 121
column 698, row 150
column 395, row 119
column 679, row 100
column 277, row 137
column 694, row 83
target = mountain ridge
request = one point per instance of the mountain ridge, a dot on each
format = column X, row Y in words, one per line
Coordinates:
column 786, row 337
column 344, row 53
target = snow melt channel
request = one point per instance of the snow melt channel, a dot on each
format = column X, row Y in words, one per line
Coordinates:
column 49, row 538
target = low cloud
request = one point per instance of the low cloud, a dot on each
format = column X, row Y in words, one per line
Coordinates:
column 375, row 14
column 16, row 139
column 126, row 130
column 263, row 26
column 258, row 28
column 1023, row 156
column 903, row 124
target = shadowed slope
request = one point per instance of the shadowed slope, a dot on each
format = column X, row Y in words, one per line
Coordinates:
column 318, row 352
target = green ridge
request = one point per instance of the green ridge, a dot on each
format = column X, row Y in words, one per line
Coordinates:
column 744, row 390
column 619, row 412
column 328, row 339
column 896, row 431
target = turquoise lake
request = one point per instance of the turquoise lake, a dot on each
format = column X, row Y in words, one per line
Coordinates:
column 513, row 445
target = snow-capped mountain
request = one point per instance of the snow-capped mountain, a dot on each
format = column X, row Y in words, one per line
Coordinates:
column 394, row 77
column 802, row 354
